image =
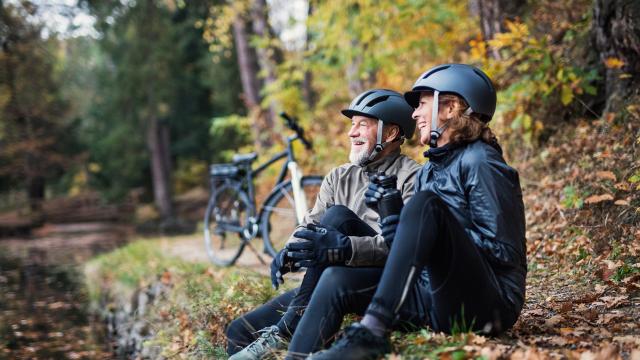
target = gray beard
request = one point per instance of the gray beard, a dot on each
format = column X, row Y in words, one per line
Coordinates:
column 360, row 158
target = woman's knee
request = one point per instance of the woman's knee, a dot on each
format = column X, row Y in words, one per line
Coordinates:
column 418, row 202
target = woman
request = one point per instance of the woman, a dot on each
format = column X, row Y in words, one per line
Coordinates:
column 457, row 260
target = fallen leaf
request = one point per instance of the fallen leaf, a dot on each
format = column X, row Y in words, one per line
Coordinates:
column 621, row 202
column 166, row 277
column 614, row 301
column 554, row 320
column 594, row 199
column 566, row 306
column 478, row 339
column 607, row 175
column 627, row 339
column 536, row 312
column 614, row 63
column 600, row 289
column 622, row 186
column 606, row 352
column 567, row 331
column 530, row 354
column 607, row 318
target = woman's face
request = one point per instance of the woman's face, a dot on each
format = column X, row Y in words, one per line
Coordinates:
column 422, row 116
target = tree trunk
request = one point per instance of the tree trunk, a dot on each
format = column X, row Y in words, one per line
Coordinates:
column 616, row 32
column 35, row 191
column 308, row 93
column 267, row 62
column 492, row 14
column 247, row 64
column 158, row 144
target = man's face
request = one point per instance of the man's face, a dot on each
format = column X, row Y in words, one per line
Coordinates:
column 422, row 116
column 363, row 133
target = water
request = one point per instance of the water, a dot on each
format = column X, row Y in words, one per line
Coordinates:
column 44, row 310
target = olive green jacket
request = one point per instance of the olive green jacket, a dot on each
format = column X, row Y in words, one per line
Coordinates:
column 346, row 185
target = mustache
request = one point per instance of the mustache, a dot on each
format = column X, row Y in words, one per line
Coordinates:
column 359, row 139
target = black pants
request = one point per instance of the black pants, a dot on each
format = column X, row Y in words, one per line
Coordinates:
column 435, row 276
column 287, row 309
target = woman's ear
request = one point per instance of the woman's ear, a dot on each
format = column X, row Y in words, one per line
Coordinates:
column 450, row 109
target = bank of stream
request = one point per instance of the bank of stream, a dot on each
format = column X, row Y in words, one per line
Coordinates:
column 44, row 303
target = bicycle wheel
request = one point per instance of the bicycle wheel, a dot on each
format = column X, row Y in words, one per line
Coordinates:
column 226, row 218
column 279, row 214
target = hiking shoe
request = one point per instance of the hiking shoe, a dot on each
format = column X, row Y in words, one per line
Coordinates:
column 269, row 341
column 357, row 343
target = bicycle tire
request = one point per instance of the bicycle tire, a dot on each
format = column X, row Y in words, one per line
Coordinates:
column 279, row 209
column 228, row 207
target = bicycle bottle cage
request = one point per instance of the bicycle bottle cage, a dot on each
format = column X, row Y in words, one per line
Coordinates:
column 224, row 170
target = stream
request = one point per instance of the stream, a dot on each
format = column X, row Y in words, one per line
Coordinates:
column 44, row 305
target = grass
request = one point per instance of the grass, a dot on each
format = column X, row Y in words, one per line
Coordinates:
column 189, row 320
column 201, row 300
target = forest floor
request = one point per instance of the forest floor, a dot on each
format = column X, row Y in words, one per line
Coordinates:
column 582, row 195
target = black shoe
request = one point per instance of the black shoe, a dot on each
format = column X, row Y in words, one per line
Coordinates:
column 357, row 343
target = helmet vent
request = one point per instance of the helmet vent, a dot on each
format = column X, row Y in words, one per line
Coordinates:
column 483, row 77
column 377, row 100
column 364, row 96
column 444, row 67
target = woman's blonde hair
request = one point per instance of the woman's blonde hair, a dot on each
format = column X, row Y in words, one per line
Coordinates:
column 465, row 128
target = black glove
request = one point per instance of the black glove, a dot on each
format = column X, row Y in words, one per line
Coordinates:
column 379, row 183
column 281, row 265
column 389, row 225
column 323, row 246
column 390, row 204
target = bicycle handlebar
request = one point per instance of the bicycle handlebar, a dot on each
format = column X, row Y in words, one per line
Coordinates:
column 293, row 125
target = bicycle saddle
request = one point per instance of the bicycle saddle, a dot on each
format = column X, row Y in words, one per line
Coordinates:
column 245, row 158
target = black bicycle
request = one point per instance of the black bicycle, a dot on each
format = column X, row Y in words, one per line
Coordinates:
column 231, row 220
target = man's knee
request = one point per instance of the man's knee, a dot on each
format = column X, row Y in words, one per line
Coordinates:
column 336, row 215
column 333, row 279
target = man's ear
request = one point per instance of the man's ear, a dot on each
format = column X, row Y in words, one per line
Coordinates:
column 391, row 133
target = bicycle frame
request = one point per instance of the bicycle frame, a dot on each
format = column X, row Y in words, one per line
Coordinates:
column 289, row 165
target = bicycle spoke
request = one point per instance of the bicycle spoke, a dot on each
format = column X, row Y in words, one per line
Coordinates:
column 286, row 194
column 279, row 210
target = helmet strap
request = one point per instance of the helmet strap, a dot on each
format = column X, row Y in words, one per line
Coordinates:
column 435, row 131
column 379, row 144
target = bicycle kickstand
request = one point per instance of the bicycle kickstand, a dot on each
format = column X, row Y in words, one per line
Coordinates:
column 256, row 252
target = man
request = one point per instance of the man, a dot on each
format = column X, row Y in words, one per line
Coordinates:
column 381, row 121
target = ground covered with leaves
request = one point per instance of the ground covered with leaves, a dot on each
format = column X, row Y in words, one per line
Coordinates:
column 583, row 294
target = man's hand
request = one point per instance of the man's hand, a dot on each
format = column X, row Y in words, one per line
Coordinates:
column 281, row 265
column 323, row 246
column 378, row 185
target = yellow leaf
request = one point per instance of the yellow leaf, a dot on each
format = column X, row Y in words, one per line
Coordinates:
column 567, row 95
column 613, row 63
column 594, row 199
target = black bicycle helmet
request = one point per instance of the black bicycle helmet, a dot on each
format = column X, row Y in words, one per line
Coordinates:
column 466, row 81
column 386, row 106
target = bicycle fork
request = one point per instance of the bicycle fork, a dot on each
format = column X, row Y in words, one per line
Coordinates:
column 299, row 198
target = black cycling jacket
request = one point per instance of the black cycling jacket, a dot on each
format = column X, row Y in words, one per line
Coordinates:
column 484, row 195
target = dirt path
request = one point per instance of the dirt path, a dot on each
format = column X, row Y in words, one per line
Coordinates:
column 191, row 248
